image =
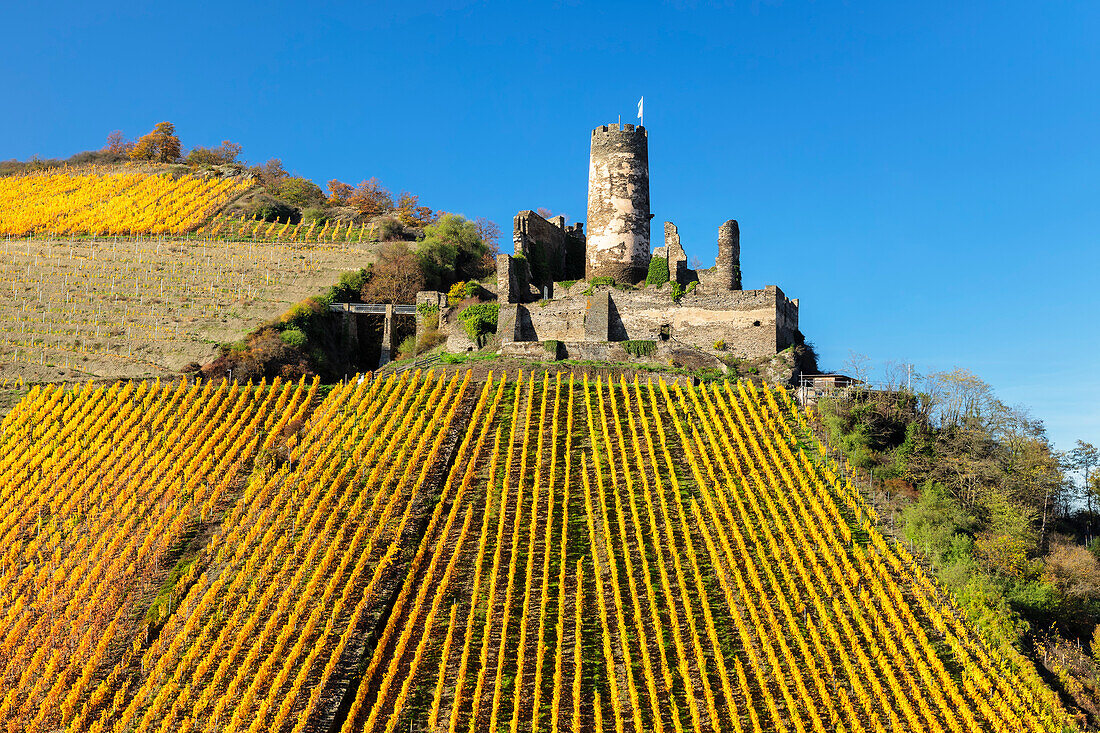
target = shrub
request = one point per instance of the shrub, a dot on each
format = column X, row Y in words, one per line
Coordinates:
column 300, row 192
column 314, row 214
column 479, row 319
column 719, row 345
column 293, row 337
column 658, row 271
column 387, row 229
column 456, row 293
column 640, row 348
column 275, row 211
column 677, row 291
column 430, row 336
column 349, row 286
column 473, row 288
column 407, row 348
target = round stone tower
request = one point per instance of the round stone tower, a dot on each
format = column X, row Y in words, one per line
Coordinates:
column 618, row 204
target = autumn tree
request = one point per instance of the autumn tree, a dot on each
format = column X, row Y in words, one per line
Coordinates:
column 269, row 174
column 489, row 232
column 160, row 146
column 370, row 198
column 225, row 154
column 410, row 213
column 339, row 192
column 117, row 144
column 395, row 277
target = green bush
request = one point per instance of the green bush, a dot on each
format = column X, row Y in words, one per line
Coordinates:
column 677, row 291
column 658, row 271
column 640, row 348
column 275, row 211
column 407, row 348
column 601, row 280
column 349, row 286
column 479, row 319
column 473, row 287
column 314, row 214
column 300, row 192
column 293, row 337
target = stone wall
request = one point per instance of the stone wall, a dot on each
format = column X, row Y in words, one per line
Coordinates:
column 553, row 250
column 617, row 245
column 514, row 280
column 751, row 323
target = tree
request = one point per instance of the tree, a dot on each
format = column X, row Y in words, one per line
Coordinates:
column 489, row 232
column 858, row 366
column 339, row 192
column 161, row 145
column 117, row 144
column 270, row 174
column 224, row 154
column 410, row 213
column 370, row 198
column 1083, row 458
column 300, row 192
column 451, row 250
column 395, row 277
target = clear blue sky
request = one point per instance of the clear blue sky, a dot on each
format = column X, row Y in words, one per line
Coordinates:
column 925, row 177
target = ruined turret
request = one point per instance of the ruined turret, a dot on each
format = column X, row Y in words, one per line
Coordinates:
column 618, row 204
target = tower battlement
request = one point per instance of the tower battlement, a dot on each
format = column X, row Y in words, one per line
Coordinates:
column 617, row 129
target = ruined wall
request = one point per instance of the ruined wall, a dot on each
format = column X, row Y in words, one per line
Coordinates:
column 513, row 280
column 553, row 250
column 618, row 204
column 751, row 323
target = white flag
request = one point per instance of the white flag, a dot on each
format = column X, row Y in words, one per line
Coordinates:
column 640, row 100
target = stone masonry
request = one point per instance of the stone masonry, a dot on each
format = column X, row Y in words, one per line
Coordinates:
column 618, row 204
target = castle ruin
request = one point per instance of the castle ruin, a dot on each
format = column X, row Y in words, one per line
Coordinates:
column 576, row 294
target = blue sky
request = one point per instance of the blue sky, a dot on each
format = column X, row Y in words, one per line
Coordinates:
column 924, row 177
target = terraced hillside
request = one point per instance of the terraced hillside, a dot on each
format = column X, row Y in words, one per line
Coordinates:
column 124, row 308
column 439, row 554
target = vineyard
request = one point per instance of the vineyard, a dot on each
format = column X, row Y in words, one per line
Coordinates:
column 104, row 202
column 128, row 307
column 425, row 552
